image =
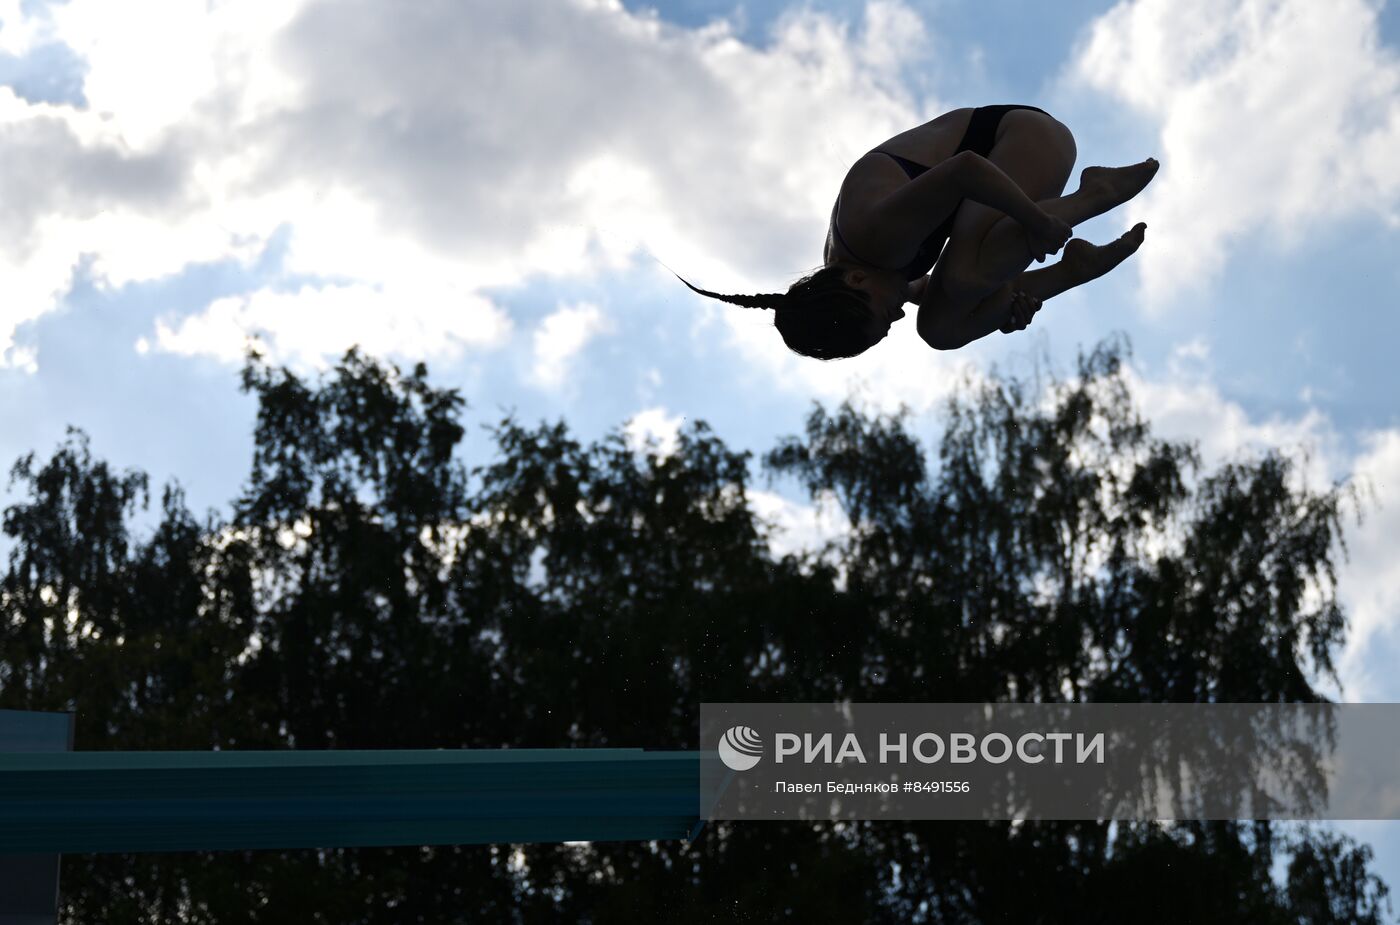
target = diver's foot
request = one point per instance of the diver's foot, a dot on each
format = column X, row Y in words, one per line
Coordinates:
column 1114, row 186
column 1087, row 261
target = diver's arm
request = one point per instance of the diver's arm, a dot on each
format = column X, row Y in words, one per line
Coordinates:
column 985, row 182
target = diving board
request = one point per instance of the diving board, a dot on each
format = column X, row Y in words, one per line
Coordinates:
column 154, row 801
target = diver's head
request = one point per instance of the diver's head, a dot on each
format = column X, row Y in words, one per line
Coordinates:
column 841, row 310
column 887, row 290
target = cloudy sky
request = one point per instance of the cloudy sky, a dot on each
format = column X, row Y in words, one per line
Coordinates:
column 494, row 187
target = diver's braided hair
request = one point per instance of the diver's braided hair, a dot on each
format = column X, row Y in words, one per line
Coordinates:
column 773, row 300
column 819, row 316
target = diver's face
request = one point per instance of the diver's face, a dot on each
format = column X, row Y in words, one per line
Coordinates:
column 887, row 291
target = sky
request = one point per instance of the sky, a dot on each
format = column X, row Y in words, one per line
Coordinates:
column 497, row 189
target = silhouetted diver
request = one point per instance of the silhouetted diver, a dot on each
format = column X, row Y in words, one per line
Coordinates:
column 994, row 199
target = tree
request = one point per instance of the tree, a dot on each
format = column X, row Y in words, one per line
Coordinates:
column 369, row 589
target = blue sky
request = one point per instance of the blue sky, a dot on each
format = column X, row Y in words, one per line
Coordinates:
column 484, row 186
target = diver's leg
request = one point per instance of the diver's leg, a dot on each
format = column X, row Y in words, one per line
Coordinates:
column 1004, row 251
column 986, row 248
column 1082, row 262
column 947, row 325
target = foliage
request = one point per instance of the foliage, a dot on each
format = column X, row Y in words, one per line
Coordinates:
column 369, row 590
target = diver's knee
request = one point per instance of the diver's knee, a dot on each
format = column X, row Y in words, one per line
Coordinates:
column 1065, row 145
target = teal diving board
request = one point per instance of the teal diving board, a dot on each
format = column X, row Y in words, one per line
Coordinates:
column 153, row 801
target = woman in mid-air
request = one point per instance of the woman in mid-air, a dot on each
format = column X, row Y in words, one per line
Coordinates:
column 985, row 181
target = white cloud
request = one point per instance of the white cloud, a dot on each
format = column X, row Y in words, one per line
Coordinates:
column 1275, row 115
column 211, row 68
column 151, row 68
column 1186, row 404
column 135, row 182
column 445, row 144
column 653, row 427
column 1370, row 579
column 799, row 527
column 70, row 191
column 560, row 337
column 307, row 325
column 19, row 33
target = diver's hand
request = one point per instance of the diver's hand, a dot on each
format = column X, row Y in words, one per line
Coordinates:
column 916, row 289
column 1023, row 309
column 1046, row 234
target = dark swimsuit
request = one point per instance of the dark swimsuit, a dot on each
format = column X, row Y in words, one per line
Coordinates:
column 980, row 136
